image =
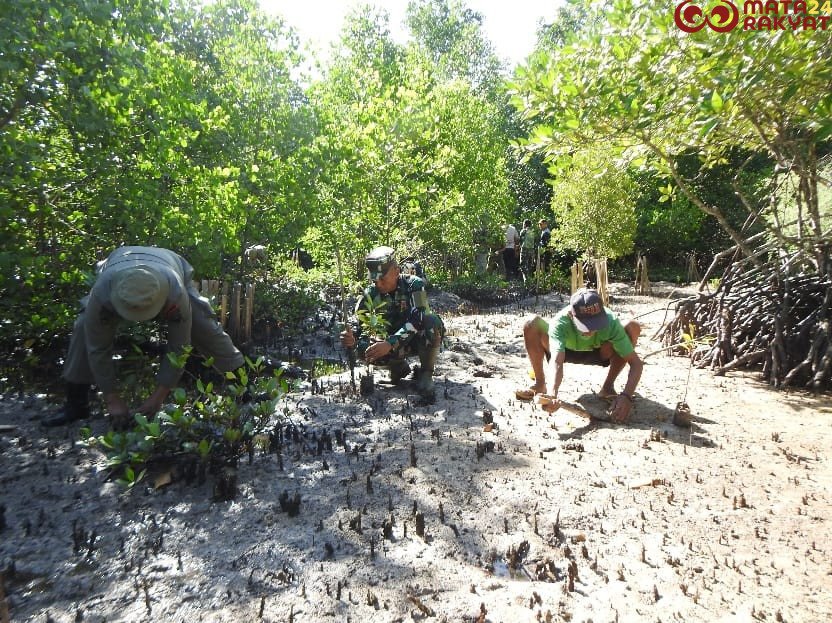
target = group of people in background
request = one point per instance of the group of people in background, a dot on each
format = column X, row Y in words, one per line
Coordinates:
column 525, row 252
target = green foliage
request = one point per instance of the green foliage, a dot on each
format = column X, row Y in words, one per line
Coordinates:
column 670, row 228
column 569, row 20
column 488, row 288
column 286, row 295
column 139, row 123
column 323, row 367
column 555, row 279
column 409, row 152
column 191, row 126
column 373, row 320
column 451, row 36
column 69, row 100
column 667, row 230
column 632, row 82
column 594, row 207
column 209, row 427
column 670, row 225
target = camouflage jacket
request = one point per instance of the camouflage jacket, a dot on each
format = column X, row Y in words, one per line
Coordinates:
column 405, row 310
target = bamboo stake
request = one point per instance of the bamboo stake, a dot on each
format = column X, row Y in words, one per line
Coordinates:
column 224, row 305
column 577, row 277
column 642, row 286
column 249, row 310
column 601, row 278
column 235, row 311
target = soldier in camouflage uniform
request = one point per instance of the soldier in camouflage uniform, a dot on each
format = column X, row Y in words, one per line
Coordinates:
column 412, row 328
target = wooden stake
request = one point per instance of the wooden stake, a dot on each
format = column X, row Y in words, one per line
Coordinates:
column 249, row 311
column 601, row 278
column 235, row 311
column 224, row 305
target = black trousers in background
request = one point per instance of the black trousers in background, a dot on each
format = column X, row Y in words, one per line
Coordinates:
column 510, row 262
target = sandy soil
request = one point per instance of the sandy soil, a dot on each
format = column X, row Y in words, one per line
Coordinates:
column 424, row 514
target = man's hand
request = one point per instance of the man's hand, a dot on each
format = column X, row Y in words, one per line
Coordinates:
column 153, row 404
column 620, row 411
column 377, row 350
column 118, row 410
column 347, row 338
column 116, row 406
column 550, row 404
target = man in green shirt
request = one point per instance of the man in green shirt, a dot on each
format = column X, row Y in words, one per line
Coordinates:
column 528, row 249
column 584, row 332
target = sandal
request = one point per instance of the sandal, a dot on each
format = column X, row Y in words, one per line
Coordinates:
column 526, row 394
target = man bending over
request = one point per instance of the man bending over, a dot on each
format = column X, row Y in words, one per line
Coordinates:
column 584, row 332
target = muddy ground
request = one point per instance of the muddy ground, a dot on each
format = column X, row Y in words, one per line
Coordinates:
column 425, row 513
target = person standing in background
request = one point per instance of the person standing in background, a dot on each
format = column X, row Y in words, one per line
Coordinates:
column 545, row 252
column 528, row 249
column 509, row 250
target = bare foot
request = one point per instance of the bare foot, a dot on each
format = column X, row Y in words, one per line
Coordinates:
column 550, row 404
column 538, row 388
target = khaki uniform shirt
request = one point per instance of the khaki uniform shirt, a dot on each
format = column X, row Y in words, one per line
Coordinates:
column 101, row 320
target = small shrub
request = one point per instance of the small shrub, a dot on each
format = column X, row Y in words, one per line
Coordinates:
column 208, row 428
column 487, row 288
column 286, row 295
column 556, row 279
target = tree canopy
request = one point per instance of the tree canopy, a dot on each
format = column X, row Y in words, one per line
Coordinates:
column 193, row 126
column 633, row 83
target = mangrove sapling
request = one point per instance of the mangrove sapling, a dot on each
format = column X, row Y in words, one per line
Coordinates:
column 213, row 428
column 690, row 343
column 376, row 327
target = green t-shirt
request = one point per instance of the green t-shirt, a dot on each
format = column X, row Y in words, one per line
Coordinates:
column 564, row 335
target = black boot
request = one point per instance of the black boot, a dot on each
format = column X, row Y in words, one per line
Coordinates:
column 427, row 363
column 77, row 406
column 399, row 368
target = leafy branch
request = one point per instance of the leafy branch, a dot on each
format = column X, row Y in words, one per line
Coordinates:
column 208, row 430
column 373, row 320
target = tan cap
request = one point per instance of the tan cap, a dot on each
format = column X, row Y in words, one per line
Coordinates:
column 139, row 293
